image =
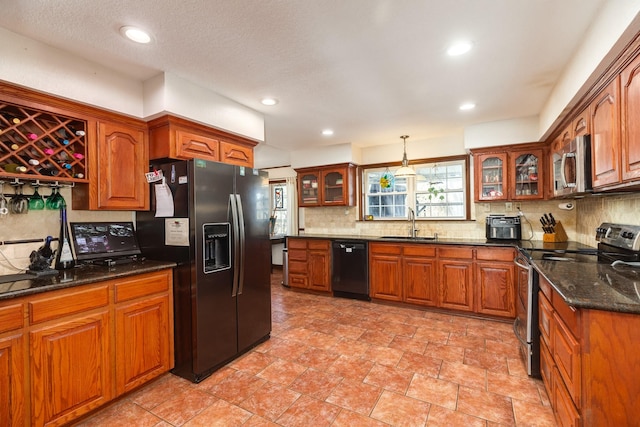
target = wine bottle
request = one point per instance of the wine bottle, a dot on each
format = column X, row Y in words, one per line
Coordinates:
column 77, row 132
column 32, row 136
column 78, row 156
column 14, row 168
column 78, row 175
column 11, row 119
column 30, row 160
column 47, row 171
column 64, row 257
column 45, row 250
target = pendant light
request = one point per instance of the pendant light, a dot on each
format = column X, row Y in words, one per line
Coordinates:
column 405, row 170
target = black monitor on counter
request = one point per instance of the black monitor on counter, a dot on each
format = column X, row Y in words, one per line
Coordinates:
column 106, row 242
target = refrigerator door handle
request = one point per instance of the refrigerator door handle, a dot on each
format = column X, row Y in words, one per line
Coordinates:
column 242, row 243
column 236, row 244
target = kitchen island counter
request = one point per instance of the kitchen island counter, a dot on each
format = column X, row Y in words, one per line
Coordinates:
column 81, row 275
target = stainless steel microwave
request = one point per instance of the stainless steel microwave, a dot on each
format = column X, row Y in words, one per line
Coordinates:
column 572, row 168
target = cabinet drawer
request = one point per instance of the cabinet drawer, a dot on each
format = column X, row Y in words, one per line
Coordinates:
column 65, row 302
column 566, row 354
column 547, row 368
column 568, row 314
column 138, row 286
column 11, row 317
column 297, row 255
column 495, row 254
column 297, row 266
column 566, row 413
column 378, row 248
column 419, row 250
column 298, row 281
column 545, row 286
column 296, row 244
column 456, row 252
column 322, row 245
column 545, row 317
column 191, row 145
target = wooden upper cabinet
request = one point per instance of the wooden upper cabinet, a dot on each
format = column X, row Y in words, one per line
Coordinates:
column 118, row 160
column 332, row 185
column 491, row 176
column 175, row 138
column 605, row 136
column 581, row 125
column 526, row 174
column 630, row 120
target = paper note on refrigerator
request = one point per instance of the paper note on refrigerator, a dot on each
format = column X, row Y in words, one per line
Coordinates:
column 164, row 200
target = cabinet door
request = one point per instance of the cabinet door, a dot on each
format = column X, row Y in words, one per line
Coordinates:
column 122, row 159
column 309, row 188
column 190, row 145
column 235, row 154
column 526, row 174
column 491, row 176
column 605, row 137
column 319, row 270
column 334, row 190
column 567, row 414
column 566, row 354
column 455, row 284
column 630, row 112
column 70, row 368
column 496, row 289
column 420, row 280
column 142, row 342
column 385, row 277
column 12, row 392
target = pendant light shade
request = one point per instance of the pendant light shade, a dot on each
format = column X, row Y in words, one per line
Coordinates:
column 404, row 170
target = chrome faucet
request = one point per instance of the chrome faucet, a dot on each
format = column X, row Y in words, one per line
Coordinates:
column 411, row 217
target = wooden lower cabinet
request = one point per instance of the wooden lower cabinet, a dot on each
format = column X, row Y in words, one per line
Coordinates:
column 456, row 277
column 12, row 380
column 421, row 286
column 385, row 271
column 496, row 282
column 70, row 363
column 86, row 346
column 309, row 263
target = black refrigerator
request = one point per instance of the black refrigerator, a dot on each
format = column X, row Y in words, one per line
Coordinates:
column 217, row 233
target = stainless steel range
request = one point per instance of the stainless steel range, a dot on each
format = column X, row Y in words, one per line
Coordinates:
column 618, row 246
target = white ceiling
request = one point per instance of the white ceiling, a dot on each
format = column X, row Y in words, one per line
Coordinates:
column 372, row 70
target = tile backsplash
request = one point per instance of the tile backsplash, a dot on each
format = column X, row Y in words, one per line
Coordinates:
column 579, row 223
column 38, row 225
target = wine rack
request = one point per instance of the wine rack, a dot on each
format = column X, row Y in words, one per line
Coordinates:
column 41, row 145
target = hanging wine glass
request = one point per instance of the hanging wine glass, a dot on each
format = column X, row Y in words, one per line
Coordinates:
column 36, row 202
column 4, row 203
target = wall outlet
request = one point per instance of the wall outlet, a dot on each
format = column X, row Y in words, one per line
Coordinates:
column 508, row 207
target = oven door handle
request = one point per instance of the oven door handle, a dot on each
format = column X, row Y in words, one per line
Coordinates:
column 517, row 262
column 515, row 331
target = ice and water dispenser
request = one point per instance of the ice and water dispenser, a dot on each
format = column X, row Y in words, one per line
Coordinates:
column 217, row 247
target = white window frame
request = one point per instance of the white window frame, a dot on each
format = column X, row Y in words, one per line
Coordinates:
column 447, row 177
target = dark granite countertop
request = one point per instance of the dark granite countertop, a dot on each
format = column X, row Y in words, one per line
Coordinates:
column 81, row 275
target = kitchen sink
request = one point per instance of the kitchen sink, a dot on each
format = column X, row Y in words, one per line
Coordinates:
column 409, row 238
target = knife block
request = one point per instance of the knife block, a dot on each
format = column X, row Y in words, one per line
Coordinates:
column 559, row 236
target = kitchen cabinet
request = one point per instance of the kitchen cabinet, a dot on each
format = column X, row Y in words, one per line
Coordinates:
column 309, row 263
column 12, row 369
column 385, row 271
column 588, row 362
column 118, row 158
column 455, row 275
column 419, row 269
column 510, row 173
column 143, row 331
column 630, row 122
column 605, row 136
column 67, row 352
column 332, row 185
column 495, row 282
column 70, row 349
column 176, row 138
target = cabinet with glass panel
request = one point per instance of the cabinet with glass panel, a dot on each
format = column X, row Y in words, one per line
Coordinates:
column 331, row 185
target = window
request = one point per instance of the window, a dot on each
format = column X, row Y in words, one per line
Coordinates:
column 279, row 208
column 438, row 191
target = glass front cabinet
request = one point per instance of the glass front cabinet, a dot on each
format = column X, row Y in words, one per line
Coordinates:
column 505, row 173
column 327, row 185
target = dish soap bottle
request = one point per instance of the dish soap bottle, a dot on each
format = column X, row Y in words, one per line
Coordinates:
column 64, row 257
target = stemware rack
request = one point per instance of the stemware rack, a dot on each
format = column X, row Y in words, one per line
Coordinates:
column 41, row 145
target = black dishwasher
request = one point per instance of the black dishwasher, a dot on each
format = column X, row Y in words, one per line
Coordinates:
column 350, row 269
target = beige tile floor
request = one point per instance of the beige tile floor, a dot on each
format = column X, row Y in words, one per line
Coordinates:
column 341, row 362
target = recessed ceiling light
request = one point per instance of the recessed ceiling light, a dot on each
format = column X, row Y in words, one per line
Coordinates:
column 467, row 106
column 459, row 48
column 135, row 34
column 269, row 101
column 327, row 132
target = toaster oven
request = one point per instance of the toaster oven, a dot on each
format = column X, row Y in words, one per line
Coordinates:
column 502, row 227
